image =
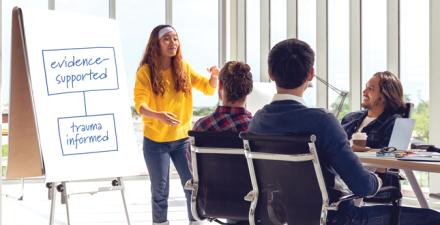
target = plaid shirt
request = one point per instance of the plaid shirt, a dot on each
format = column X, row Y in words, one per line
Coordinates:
column 225, row 118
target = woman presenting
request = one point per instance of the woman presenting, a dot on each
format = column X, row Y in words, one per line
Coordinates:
column 163, row 96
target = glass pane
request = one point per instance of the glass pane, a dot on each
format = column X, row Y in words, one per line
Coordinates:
column 338, row 52
column 374, row 38
column 6, row 39
column 198, row 33
column 96, row 7
column 136, row 21
column 414, row 66
column 253, row 38
column 278, row 21
column 307, row 33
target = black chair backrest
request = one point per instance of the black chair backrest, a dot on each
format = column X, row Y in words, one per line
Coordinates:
column 406, row 112
column 289, row 191
column 223, row 179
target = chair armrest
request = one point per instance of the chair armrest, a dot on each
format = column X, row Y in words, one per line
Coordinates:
column 348, row 197
column 386, row 194
column 190, row 185
column 335, row 205
column 388, row 188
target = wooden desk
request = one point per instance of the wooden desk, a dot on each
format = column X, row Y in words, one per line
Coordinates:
column 381, row 162
column 408, row 167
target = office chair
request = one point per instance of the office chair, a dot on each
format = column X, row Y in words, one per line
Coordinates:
column 220, row 177
column 391, row 178
column 287, row 181
column 406, row 112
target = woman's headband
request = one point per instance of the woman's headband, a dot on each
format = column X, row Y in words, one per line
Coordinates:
column 165, row 30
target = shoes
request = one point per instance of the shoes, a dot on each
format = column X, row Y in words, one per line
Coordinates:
column 190, row 223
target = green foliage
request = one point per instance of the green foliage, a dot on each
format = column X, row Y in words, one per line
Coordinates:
column 4, row 154
column 406, row 97
column 4, row 150
column 421, row 116
column 345, row 108
column 203, row 111
column 134, row 113
column 421, row 177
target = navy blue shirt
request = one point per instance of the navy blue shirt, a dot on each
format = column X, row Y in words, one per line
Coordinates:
column 378, row 131
column 335, row 155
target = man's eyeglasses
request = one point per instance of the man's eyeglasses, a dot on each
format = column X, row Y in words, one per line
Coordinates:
column 385, row 150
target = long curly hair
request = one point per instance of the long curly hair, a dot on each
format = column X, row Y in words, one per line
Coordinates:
column 151, row 57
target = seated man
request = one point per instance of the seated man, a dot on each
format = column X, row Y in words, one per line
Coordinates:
column 235, row 83
column 291, row 67
column 383, row 103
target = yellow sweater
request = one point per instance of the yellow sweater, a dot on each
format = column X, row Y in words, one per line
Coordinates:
column 172, row 101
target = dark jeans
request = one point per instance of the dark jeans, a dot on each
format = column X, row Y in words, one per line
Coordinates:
column 157, row 157
column 380, row 215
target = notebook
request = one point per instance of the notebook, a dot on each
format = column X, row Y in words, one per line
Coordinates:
column 401, row 134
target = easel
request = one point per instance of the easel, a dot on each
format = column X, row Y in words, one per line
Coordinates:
column 116, row 185
column 82, row 130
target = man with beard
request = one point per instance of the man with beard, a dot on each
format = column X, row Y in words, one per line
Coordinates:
column 290, row 64
column 383, row 103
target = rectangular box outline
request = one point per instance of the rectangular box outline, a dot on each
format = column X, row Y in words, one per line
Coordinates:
column 114, row 124
column 65, row 49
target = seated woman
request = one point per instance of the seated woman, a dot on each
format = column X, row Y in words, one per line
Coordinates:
column 235, row 83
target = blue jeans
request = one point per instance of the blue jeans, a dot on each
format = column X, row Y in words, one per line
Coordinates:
column 380, row 215
column 157, row 157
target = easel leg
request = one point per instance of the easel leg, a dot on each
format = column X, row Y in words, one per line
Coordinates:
column 64, row 198
column 21, row 195
column 52, row 196
column 22, row 190
column 119, row 182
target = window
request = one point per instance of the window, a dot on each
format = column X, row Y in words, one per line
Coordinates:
column 196, row 22
column 307, row 33
column 414, row 65
column 96, row 7
column 253, row 38
column 338, row 51
column 374, row 38
column 6, row 38
column 136, row 21
column 278, row 21
column 414, row 69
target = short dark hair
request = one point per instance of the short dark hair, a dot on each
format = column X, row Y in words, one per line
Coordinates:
column 290, row 62
column 236, row 78
column 391, row 91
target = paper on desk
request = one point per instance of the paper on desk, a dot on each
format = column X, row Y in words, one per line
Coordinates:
column 422, row 156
